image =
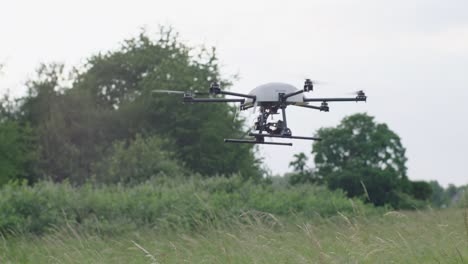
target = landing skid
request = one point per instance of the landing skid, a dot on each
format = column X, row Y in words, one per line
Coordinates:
column 283, row 136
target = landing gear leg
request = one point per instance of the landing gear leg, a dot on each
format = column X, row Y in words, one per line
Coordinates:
column 286, row 131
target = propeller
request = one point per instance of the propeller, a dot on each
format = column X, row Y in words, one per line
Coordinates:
column 359, row 92
column 309, row 84
column 360, row 95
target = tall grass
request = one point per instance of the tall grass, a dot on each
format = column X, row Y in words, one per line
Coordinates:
column 218, row 220
column 393, row 237
column 164, row 204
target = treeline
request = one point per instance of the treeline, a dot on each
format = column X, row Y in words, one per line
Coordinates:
column 102, row 122
column 451, row 196
column 368, row 160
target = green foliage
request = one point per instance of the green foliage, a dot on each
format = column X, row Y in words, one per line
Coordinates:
column 18, row 155
column 124, row 80
column 137, row 161
column 451, row 196
column 432, row 236
column 163, row 203
column 301, row 174
column 421, row 190
column 7, row 109
column 364, row 158
column 79, row 118
column 460, row 199
column 72, row 131
column 452, row 191
column 438, row 197
column 407, row 201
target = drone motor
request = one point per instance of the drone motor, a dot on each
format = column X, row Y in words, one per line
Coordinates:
column 308, row 85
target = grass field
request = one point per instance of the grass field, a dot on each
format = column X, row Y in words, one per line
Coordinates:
column 430, row 236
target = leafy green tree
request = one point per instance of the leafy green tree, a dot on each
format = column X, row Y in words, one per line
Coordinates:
column 301, row 173
column 78, row 119
column 18, row 154
column 438, row 197
column 7, row 109
column 72, row 130
column 451, row 191
column 446, row 197
column 364, row 158
column 123, row 81
column 421, row 190
column 18, row 145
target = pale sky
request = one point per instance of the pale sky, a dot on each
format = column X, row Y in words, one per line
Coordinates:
column 410, row 56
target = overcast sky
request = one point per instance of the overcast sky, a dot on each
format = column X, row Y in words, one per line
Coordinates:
column 411, row 58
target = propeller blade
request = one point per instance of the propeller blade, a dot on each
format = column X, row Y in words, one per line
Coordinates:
column 316, row 82
column 168, row 91
column 356, row 92
column 180, row 92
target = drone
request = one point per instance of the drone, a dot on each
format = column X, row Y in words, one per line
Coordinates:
column 270, row 98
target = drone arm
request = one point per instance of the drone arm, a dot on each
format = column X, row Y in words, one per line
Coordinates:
column 236, row 94
column 321, row 108
column 292, row 94
column 212, row 100
column 355, row 99
column 215, row 89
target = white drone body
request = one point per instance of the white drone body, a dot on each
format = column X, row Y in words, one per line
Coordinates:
column 269, row 93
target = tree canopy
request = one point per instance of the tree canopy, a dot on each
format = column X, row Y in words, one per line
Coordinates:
column 83, row 119
column 301, row 173
column 363, row 157
column 18, row 152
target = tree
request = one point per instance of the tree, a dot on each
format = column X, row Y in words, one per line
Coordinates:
column 363, row 157
column 18, row 145
column 72, row 131
column 301, row 173
column 123, row 81
column 18, row 154
column 110, row 100
column 421, row 190
column 438, row 196
column 7, row 109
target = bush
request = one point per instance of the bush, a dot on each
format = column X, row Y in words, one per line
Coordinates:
column 163, row 203
column 408, row 202
column 137, row 161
